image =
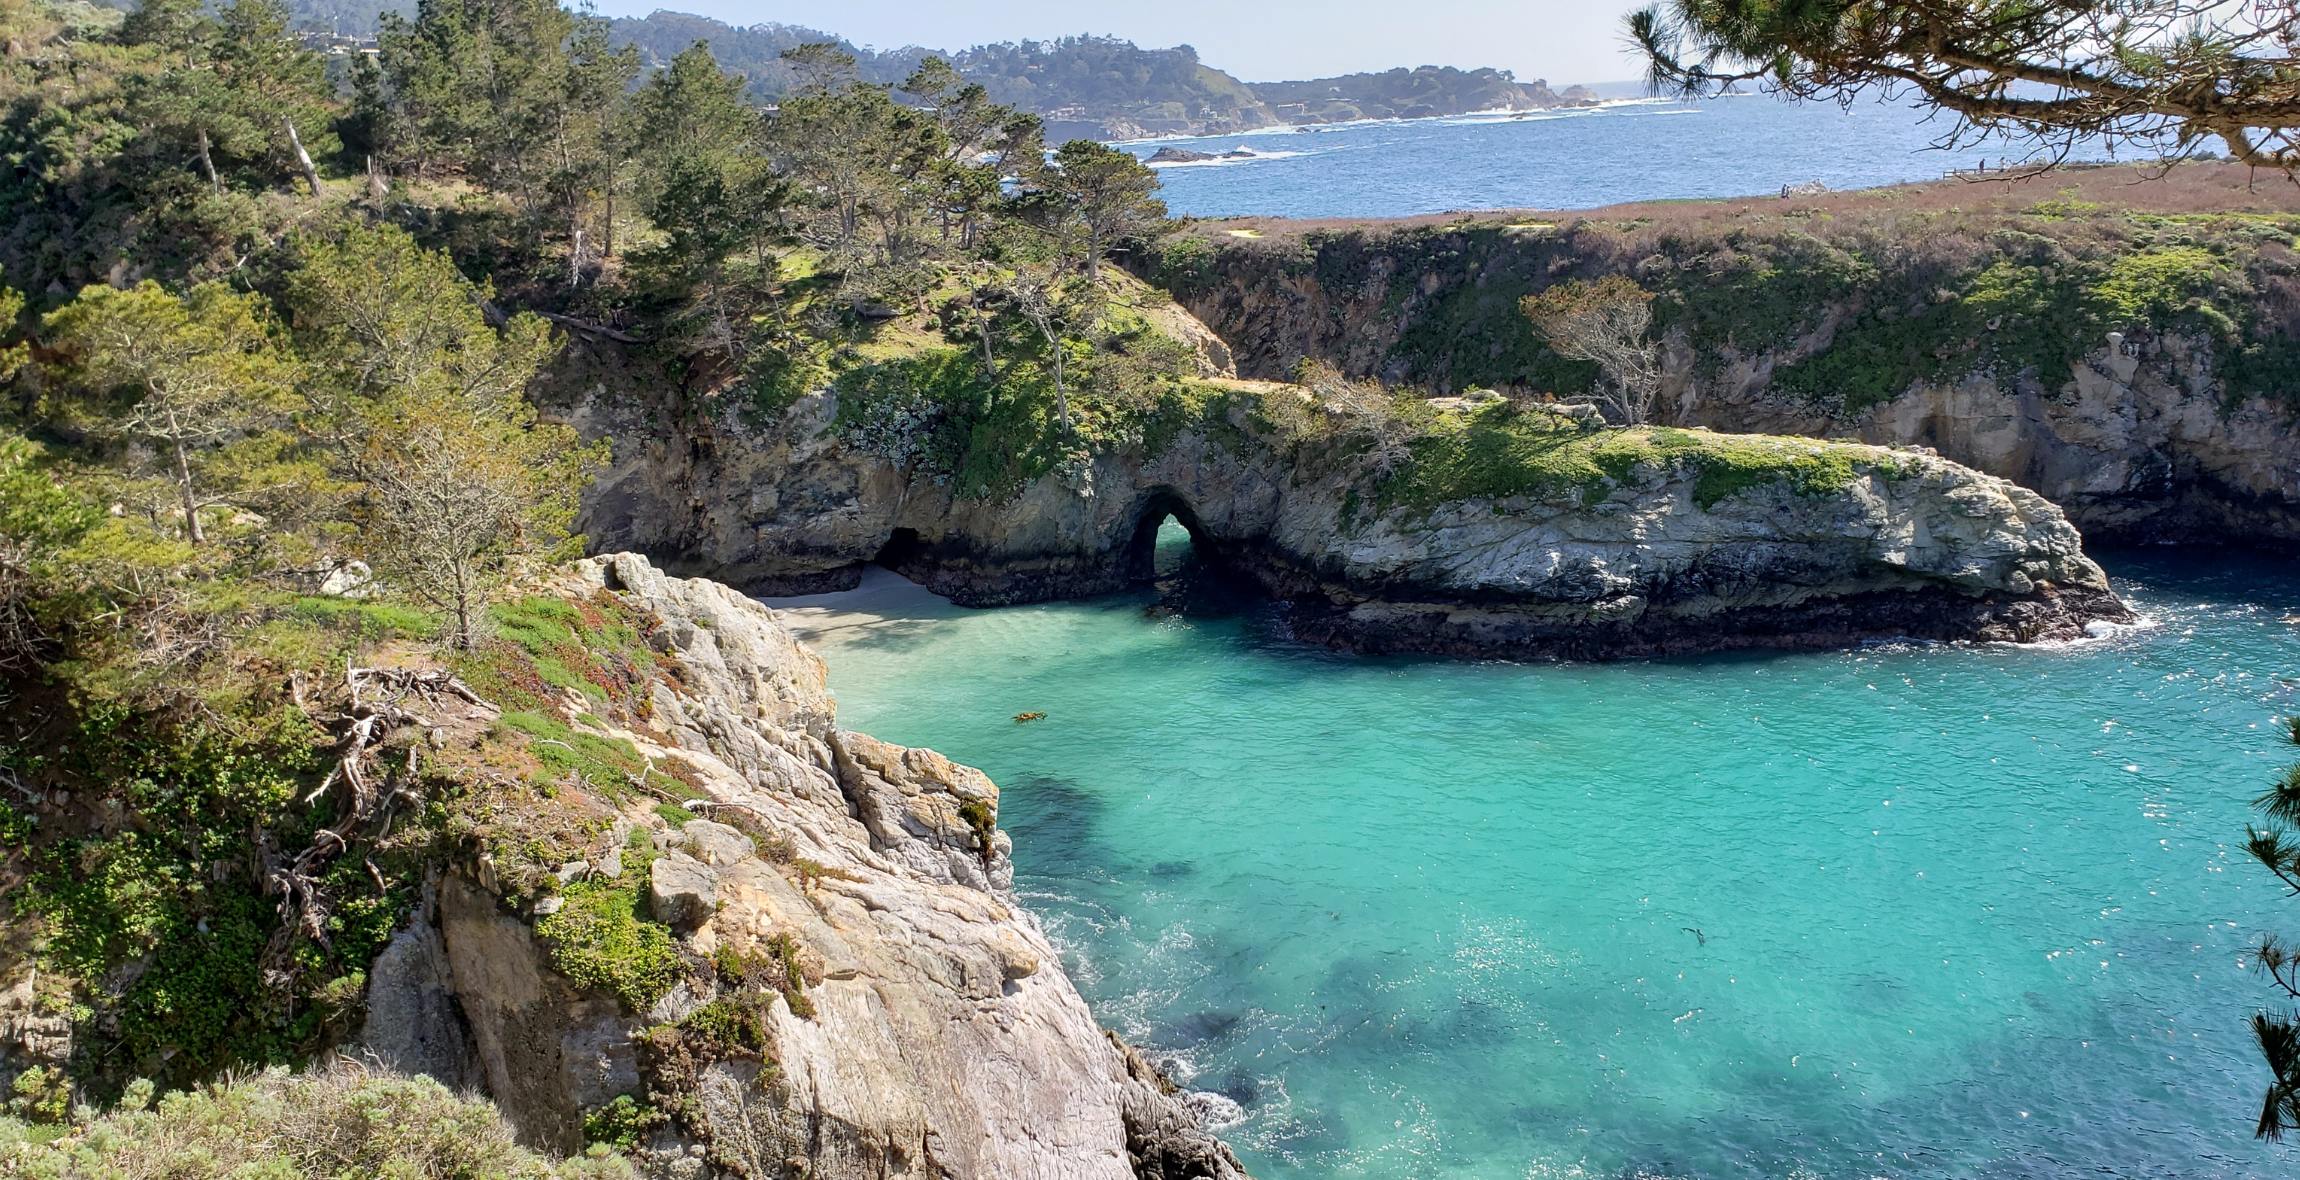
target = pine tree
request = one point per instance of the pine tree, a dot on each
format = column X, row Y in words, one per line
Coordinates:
column 1105, row 192
column 189, row 375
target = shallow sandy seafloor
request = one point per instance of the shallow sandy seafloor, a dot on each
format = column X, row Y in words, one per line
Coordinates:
column 1902, row 911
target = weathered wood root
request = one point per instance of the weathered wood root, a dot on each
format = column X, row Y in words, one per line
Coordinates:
column 373, row 716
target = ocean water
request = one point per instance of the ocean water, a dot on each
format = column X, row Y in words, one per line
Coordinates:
column 1923, row 911
column 1742, row 145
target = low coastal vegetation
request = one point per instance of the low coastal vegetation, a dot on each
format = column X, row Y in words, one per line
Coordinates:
column 1507, row 450
column 1853, row 297
column 337, row 1122
column 988, row 420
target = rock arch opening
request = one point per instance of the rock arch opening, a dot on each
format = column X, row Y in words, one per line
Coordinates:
column 1167, row 537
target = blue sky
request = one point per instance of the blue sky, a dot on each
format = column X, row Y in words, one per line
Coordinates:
column 1267, row 40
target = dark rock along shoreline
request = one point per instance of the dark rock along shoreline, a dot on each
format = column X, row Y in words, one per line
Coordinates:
column 1914, row 546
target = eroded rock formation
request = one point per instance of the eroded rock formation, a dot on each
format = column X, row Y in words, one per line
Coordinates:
column 1908, row 545
column 934, row 1033
column 2139, row 436
column 2126, row 445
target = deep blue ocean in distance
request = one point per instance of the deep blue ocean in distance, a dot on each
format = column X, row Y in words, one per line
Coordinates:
column 1638, row 150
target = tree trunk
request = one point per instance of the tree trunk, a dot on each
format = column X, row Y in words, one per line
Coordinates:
column 989, row 358
column 310, row 170
column 1061, row 396
column 192, row 530
column 463, row 596
column 1093, row 254
column 208, row 164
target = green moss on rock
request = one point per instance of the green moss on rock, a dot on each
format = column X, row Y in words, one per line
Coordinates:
column 1508, row 450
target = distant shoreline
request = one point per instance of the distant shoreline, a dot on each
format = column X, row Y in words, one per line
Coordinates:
column 1972, row 191
column 1492, row 115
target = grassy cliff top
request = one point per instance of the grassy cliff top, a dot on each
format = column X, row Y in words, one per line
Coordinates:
column 2201, row 188
column 1857, row 296
column 1508, row 450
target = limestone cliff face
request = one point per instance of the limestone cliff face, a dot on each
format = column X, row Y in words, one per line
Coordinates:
column 1914, row 545
column 943, row 1039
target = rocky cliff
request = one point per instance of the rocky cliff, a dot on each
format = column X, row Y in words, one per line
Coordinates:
column 2125, row 346
column 1495, row 528
column 2126, row 444
column 865, row 998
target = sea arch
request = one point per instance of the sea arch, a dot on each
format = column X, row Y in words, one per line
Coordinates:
column 1154, row 507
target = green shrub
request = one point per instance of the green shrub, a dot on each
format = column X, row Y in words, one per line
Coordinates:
column 603, row 938
column 620, row 1125
column 333, row 1123
column 147, row 894
column 730, row 1027
column 990, row 440
column 40, row 1094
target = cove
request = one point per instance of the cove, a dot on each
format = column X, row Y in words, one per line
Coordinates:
column 1900, row 911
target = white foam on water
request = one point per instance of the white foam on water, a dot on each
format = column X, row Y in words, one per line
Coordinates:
column 1220, row 161
column 1215, row 1111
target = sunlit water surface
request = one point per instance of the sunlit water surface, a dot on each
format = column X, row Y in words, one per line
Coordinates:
column 1746, row 145
column 1905, row 911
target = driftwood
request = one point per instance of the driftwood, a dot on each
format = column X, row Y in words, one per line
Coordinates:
column 374, row 714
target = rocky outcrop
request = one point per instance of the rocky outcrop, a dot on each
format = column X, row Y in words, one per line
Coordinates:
column 1911, row 545
column 2139, row 439
column 928, row 1029
column 2135, row 445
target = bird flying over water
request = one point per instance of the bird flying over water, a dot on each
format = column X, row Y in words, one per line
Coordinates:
column 1695, row 932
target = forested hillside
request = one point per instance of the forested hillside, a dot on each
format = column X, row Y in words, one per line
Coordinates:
column 753, row 51
column 1411, row 94
column 288, row 358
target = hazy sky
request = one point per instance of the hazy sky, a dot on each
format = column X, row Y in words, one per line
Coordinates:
column 1564, row 41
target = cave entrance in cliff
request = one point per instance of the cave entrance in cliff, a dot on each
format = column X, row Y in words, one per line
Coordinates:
column 903, row 548
column 1168, row 540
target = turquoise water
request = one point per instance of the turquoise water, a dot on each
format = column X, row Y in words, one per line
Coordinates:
column 1961, row 911
column 1569, row 159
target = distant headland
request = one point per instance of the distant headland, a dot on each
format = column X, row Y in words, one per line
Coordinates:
column 1084, row 87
